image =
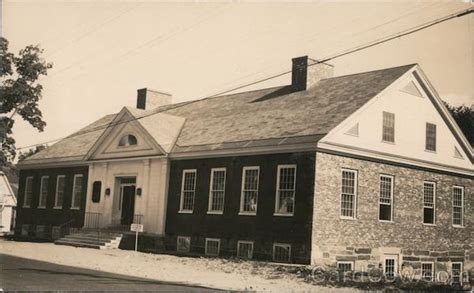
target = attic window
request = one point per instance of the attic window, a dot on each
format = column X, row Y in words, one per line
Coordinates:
column 128, row 140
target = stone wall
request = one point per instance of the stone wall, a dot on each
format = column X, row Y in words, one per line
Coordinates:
column 365, row 240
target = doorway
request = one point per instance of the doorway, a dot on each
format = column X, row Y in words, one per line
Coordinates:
column 127, row 200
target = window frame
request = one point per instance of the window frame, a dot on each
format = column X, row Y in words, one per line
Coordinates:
column 41, row 193
column 432, row 270
column 127, row 135
column 25, row 192
column 460, row 272
column 434, row 203
column 239, row 242
column 177, row 242
column 277, row 195
column 392, row 183
column 428, row 124
column 181, row 202
column 356, row 183
column 345, row 262
column 462, row 206
column 218, row 246
column 56, row 206
column 384, row 119
column 286, row 245
column 73, row 197
column 395, row 264
column 242, row 191
column 211, row 190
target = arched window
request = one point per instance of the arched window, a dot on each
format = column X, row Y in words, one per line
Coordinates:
column 128, row 140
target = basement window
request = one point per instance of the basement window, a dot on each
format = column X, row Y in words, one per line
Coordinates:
column 281, row 252
column 183, row 244
column 427, row 271
column 245, row 249
column 456, row 273
column 345, row 266
column 212, row 246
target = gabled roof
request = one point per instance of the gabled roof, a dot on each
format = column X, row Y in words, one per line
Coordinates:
column 267, row 117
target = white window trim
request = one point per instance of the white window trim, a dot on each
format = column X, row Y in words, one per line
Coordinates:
column 74, row 192
column 185, row 171
column 285, row 245
column 209, row 211
column 277, row 197
column 356, row 183
column 434, row 203
column 245, row 242
column 432, row 269
column 26, row 192
column 462, row 207
column 177, row 242
column 57, row 189
column 41, row 193
column 392, row 178
column 218, row 246
column 461, row 272
column 345, row 262
column 241, row 211
column 396, row 264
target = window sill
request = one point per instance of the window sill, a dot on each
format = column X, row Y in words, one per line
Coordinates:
column 430, row 151
column 458, row 226
column 214, row 213
column 185, row 212
column 58, row 208
column 348, row 218
column 74, row 208
column 42, row 208
column 282, row 215
column 428, row 224
column 26, row 207
column 247, row 214
column 386, row 221
column 388, row 142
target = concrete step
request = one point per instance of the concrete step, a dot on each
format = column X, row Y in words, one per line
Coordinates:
column 80, row 244
column 91, row 239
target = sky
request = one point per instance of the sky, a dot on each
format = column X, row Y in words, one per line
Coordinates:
column 103, row 51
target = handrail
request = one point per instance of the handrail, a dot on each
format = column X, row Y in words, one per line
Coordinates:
column 63, row 226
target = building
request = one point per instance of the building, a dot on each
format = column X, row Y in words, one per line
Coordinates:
column 358, row 171
column 7, row 206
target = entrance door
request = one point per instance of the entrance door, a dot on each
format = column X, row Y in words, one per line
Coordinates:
column 128, row 204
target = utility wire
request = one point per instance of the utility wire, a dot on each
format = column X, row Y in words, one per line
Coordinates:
column 337, row 55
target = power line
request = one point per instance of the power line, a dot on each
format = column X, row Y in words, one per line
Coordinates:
column 337, row 55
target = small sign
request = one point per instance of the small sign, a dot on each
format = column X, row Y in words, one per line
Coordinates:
column 136, row 227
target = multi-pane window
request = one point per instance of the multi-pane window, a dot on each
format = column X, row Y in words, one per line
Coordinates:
column 77, row 191
column 212, row 246
column 183, row 244
column 245, row 249
column 456, row 272
column 281, row 252
column 28, row 192
column 60, row 185
column 458, row 199
column 390, row 267
column 217, row 191
column 286, row 183
column 429, row 202
column 430, row 143
column 344, row 266
column 188, row 191
column 427, row 271
column 386, row 198
column 249, row 197
column 43, row 197
column 388, row 131
column 348, row 193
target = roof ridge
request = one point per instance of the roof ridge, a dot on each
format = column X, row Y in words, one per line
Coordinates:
column 370, row 71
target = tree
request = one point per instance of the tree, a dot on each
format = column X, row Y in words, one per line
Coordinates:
column 464, row 117
column 19, row 92
column 30, row 152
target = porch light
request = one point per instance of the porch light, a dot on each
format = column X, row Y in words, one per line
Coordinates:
column 139, row 191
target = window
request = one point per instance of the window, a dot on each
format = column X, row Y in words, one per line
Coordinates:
column 348, row 193
column 388, row 131
column 390, row 267
column 96, row 189
column 429, row 202
column 430, row 144
column 77, row 191
column 212, row 246
column 43, row 192
column 188, row 190
column 217, row 191
column 458, row 205
column 249, row 197
column 60, row 185
column 456, row 273
column 28, row 192
column 285, row 197
column 281, row 252
column 386, row 198
column 427, row 271
column 344, row 266
column 245, row 249
column 183, row 244
column 128, row 140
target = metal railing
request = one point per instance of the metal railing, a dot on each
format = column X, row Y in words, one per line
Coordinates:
column 65, row 228
column 92, row 221
column 137, row 219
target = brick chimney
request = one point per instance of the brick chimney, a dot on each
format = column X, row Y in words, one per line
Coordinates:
column 306, row 72
column 148, row 99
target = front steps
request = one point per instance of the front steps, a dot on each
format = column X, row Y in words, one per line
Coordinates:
column 92, row 239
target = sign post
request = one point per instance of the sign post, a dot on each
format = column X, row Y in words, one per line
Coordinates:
column 137, row 228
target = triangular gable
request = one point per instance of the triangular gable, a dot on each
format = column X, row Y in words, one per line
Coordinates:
column 354, row 130
column 411, row 116
column 412, row 89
